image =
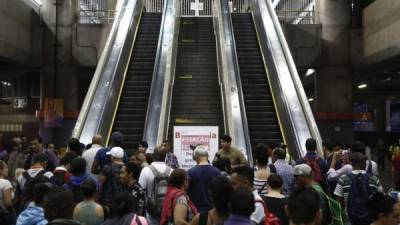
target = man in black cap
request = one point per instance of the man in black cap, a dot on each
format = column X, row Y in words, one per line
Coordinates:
column 101, row 159
column 234, row 155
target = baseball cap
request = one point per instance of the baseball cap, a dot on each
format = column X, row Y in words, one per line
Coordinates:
column 116, row 152
column 302, row 170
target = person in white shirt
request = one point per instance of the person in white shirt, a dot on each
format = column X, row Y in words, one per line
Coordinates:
column 88, row 155
column 147, row 177
column 243, row 177
column 348, row 168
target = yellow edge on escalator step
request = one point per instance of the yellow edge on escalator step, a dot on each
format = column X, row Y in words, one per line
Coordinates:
column 187, row 40
column 187, row 76
column 182, row 121
column 188, row 23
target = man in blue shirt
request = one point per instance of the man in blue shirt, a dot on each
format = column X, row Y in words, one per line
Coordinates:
column 200, row 178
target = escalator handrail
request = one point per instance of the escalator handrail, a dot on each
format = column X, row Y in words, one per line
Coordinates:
column 234, row 108
column 101, row 99
column 156, row 122
column 294, row 112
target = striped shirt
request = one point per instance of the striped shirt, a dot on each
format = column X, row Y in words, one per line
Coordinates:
column 261, row 186
column 344, row 185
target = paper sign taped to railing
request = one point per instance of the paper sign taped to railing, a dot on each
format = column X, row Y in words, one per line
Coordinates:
column 186, row 136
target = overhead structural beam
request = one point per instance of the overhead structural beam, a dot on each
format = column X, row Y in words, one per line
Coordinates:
column 304, row 12
column 34, row 4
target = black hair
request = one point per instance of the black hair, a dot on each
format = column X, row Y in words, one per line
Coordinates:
column 88, row 146
column 244, row 172
column 9, row 145
column 177, row 178
column 358, row 146
column 380, row 203
column 279, row 153
column 221, row 191
column 68, row 157
column 144, row 144
column 78, row 166
column 358, row 160
column 272, row 145
column 58, row 203
column 133, row 169
column 275, row 181
column 223, row 164
column 311, row 144
column 39, row 191
column 261, row 154
column 122, row 204
column 39, row 158
column 298, row 199
column 242, row 203
column 75, row 146
column 116, row 138
column 88, row 188
column 328, row 145
column 226, row 138
column 39, row 139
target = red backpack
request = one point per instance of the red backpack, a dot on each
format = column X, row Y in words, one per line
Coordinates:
column 315, row 167
column 270, row 218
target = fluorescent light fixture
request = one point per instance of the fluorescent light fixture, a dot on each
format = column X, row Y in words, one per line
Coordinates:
column 361, row 86
column 4, row 83
column 311, row 99
column 310, row 72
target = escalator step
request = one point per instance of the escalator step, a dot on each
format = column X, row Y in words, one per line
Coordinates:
column 261, row 116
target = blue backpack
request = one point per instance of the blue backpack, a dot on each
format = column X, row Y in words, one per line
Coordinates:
column 357, row 200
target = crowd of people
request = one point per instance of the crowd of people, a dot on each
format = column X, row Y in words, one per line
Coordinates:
column 97, row 184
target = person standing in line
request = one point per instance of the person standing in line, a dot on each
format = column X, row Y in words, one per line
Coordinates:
column 88, row 211
column 275, row 200
column 200, row 177
column 129, row 178
column 170, row 159
column 243, row 177
column 296, row 210
column 242, row 207
column 283, row 169
column 90, row 154
column 101, row 159
column 235, row 156
column 261, row 175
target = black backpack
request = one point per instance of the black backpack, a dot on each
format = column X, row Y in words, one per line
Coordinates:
column 76, row 191
column 58, row 177
column 25, row 194
column 360, row 191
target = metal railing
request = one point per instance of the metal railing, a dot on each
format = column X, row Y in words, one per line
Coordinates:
column 97, row 17
column 288, row 11
column 154, row 5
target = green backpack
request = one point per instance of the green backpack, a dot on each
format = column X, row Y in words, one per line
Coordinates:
column 338, row 215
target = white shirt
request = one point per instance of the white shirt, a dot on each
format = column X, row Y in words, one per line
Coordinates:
column 4, row 185
column 347, row 169
column 89, row 155
column 32, row 172
column 146, row 179
column 258, row 214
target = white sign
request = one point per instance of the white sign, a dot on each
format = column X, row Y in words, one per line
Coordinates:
column 185, row 136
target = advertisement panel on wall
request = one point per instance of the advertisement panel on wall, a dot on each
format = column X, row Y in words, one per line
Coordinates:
column 187, row 136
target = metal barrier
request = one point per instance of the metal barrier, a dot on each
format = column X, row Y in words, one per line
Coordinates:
column 97, row 17
column 153, row 5
column 288, row 11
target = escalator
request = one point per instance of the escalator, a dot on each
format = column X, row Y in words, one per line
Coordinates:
column 260, row 110
column 132, row 107
column 196, row 97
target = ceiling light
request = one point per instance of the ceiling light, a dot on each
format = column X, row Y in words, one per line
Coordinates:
column 388, row 79
column 310, row 99
column 361, row 86
column 310, row 72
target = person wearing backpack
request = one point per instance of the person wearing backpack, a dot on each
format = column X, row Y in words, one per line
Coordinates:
column 61, row 174
column 332, row 212
column 275, row 200
column 354, row 189
column 79, row 175
column 317, row 164
column 154, row 180
column 26, row 181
